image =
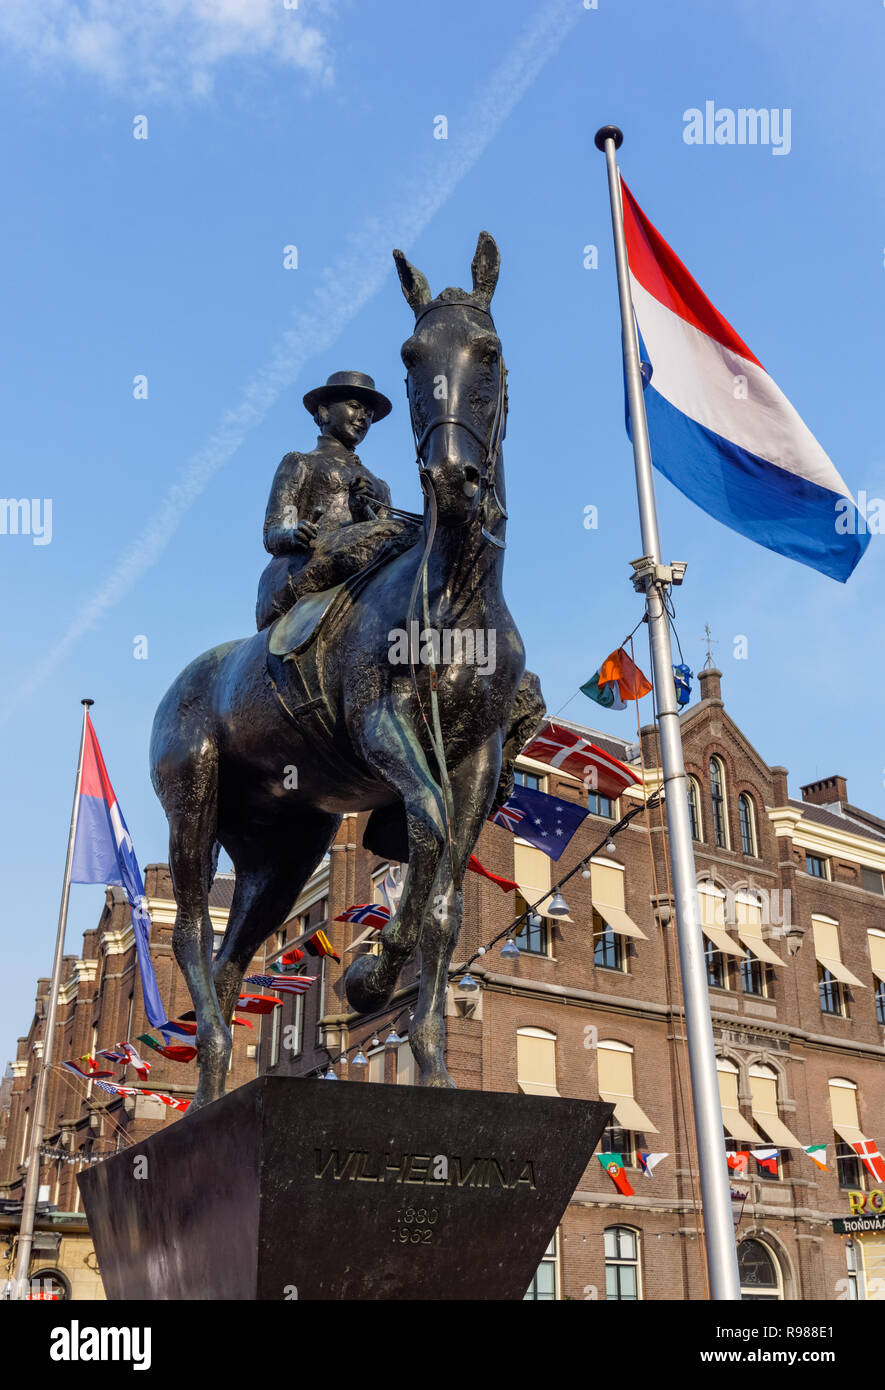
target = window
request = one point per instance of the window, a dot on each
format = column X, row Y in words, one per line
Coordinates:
column 531, row 869
column 871, row 880
column 608, row 946
column 599, row 805
column 717, row 797
column 717, row 970
column 759, row 1271
column 612, row 927
column 533, row 936
column 528, row 779
column 816, row 866
column 622, row 1264
column 855, row 1276
column 536, row 1062
column 833, row 976
column 275, row 1029
column 736, row 1126
column 405, row 1065
column 616, row 1140
column 375, row 1070
column 544, row 1285
column 616, row 1084
column 748, row 825
column 294, row 1037
column 753, row 979
column 876, row 940
column 694, row 809
column 846, row 1123
column 764, row 1105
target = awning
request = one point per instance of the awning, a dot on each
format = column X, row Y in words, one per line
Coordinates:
column 722, row 941
column 617, row 919
column 877, row 955
column 750, row 933
column 537, row 1088
column 839, row 971
column 776, row 1130
column 629, row 1113
column 738, row 1127
column 849, row 1133
column 543, row 909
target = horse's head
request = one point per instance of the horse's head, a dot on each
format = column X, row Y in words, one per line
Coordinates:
column 457, row 390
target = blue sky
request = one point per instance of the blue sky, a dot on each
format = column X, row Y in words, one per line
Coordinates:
column 314, row 127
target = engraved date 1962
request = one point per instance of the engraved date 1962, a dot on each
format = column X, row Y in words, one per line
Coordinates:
column 414, row 1225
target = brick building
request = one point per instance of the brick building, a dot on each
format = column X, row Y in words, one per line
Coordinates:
column 100, row 1004
column 792, row 894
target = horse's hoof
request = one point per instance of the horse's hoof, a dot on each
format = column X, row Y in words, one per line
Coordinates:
column 366, row 992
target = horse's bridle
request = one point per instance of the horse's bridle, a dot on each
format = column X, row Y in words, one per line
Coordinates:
column 490, row 446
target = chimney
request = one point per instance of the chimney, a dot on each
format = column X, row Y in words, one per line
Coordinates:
column 825, row 792
column 779, row 786
column 710, row 687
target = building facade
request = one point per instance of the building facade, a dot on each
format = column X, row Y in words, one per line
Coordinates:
column 792, row 895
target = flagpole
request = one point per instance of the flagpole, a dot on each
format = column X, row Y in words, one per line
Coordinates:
column 655, row 578
column 32, row 1180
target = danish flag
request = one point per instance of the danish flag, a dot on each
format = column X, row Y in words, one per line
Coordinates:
column 567, row 749
column 868, row 1152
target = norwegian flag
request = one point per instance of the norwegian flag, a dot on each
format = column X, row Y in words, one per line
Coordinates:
column 739, row 1162
column 508, row 816
column 113, row 1054
column 867, row 1151
column 565, row 748
column 366, row 914
column 295, row 984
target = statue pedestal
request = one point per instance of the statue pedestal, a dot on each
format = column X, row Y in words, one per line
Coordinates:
column 289, row 1188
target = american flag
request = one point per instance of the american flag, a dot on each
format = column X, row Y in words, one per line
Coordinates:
column 295, row 984
column 366, row 914
column 148, row 1095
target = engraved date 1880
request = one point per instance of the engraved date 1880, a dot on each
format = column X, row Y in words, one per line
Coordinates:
column 414, row 1225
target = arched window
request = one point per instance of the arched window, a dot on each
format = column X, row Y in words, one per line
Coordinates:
column 717, row 797
column 536, row 1061
column 622, row 1264
column 748, row 825
column 694, row 809
column 760, row 1272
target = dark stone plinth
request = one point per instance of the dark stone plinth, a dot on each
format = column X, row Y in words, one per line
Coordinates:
column 340, row 1191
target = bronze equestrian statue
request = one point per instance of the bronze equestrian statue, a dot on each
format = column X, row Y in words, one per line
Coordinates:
column 426, row 747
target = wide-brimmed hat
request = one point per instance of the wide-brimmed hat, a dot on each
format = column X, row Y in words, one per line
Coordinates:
column 346, row 386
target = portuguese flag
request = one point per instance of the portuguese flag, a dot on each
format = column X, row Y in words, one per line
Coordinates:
column 614, row 1166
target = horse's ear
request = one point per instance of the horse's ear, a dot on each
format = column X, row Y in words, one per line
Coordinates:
column 415, row 286
column 485, row 267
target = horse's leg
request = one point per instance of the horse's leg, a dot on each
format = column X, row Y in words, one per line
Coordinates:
column 190, row 801
column 271, row 870
column 473, row 789
column 391, row 749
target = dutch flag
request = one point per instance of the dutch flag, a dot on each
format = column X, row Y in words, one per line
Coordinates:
column 719, row 427
column 103, row 853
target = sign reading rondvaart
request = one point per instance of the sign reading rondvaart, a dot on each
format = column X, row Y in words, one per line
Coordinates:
column 867, row 1213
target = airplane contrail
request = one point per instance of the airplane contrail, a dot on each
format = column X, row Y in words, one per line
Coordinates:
column 348, row 284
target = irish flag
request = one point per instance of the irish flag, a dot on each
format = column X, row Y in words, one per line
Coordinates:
column 720, row 429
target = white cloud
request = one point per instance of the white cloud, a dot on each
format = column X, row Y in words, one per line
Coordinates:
column 156, row 46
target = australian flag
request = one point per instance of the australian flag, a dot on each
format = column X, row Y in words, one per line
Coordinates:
column 545, row 821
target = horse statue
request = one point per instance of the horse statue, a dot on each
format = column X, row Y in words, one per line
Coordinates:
column 425, row 745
